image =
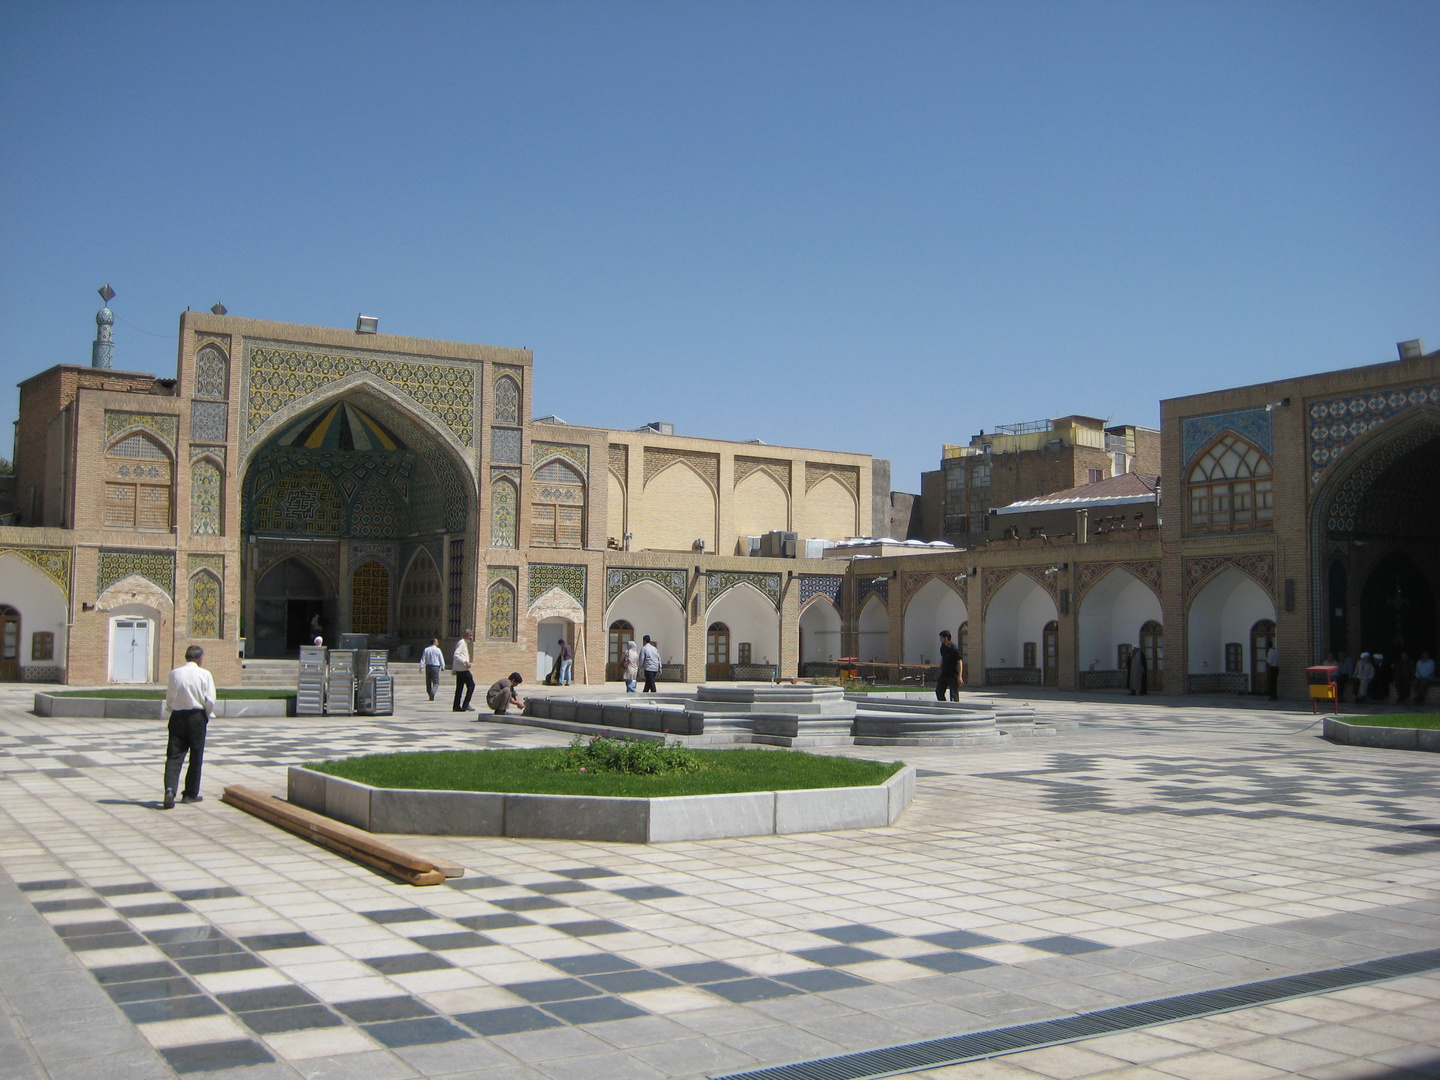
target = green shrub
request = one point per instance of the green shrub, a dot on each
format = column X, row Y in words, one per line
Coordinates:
column 631, row 757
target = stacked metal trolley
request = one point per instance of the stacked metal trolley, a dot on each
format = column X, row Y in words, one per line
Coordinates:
column 344, row 681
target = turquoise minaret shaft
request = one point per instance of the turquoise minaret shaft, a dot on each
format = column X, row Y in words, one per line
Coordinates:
column 102, row 352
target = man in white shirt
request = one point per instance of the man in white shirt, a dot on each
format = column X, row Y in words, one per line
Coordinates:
column 649, row 664
column 190, row 697
column 432, row 662
column 1272, row 665
column 464, row 681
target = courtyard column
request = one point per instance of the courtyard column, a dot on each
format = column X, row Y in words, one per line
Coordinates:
column 789, row 615
column 1066, row 644
column 342, row 595
column 975, row 603
column 696, row 621
column 1175, row 620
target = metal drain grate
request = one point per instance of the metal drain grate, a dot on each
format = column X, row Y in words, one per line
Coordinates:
column 932, row 1053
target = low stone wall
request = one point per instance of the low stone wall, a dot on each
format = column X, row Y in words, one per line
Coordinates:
column 1012, row 676
column 99, row 708
column 589, row 817
column 1385, row 738
column 1217, row 682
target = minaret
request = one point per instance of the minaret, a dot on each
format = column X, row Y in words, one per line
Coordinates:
column 102, row 352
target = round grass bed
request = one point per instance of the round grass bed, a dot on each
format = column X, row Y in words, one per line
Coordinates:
column 547, row 771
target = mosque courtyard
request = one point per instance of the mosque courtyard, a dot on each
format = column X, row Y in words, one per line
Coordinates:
column 1157, row 851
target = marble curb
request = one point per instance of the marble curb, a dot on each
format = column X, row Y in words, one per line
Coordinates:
column 148, row 708
column 589, row 817
column 1384, row 738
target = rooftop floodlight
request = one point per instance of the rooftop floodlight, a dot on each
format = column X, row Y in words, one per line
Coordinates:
column 367, row 324
column 218, row 309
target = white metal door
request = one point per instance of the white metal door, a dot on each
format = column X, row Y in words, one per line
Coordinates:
column 130, row 650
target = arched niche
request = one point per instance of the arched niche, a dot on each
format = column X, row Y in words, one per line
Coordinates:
column 650, row 610
column 934, row 607
column 872, row 632
column 1015, row 618
column 1112, row 614
column 1221, row 614
column 754, row 625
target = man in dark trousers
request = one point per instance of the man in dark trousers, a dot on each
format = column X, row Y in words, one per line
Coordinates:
column 190, row 697
column 460, row 664
column 949, row 669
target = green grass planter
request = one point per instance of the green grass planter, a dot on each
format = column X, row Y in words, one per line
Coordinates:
column 532, row 793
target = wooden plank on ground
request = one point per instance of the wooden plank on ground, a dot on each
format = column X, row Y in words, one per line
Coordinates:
column 353, row 843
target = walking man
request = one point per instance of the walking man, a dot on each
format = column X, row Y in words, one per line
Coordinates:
column 460, row 664
column 502, row 693
column 650, row 665
column 190, row 697
column 1272, row 672
column 432, row 662
column 950, row 677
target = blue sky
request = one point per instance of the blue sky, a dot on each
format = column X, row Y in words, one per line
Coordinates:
column 873, row 227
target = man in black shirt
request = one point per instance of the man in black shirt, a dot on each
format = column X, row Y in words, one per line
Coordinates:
column 949, row 669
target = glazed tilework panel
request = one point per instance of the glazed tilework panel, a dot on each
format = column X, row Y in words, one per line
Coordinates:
column 1196, row 432
column 164, row 427
column 546, row 576
column 323, row 556
column 303, row 502
column 215, row 563
column 866, row 586
column 1087, row 574
column 504, row 515
column 212, row 372
column 1345, row 503
column 507, row 401
column 370, row 599
column 505, row 445
column 278, row 374
column 1200, row 570
column 205, row 605
column 991, row 582
column 209, row 421
column 205, row 483
column 154, row 566
column 54, row 563
column 619, row 579
column 718, row 583
column 382, row 553
column 500, row 612
column 812, row 585
column 542, row 452
column 421, row 598
column 1335, row 423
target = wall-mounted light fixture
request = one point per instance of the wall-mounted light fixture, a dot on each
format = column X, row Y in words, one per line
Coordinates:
column 1273, row 405
column 367, row 324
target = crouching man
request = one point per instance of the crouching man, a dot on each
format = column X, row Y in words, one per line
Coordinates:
column 500, row 696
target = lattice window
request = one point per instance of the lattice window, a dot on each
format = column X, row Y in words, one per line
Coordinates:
column 1230, row 488
column 139, row 445
column 42, row 645
column 205, row 491
column 507, row 401
column 557, row 516
column 504, row 512
column 500, row 612
column 120, row 506
column 456, row 594
column 152, row 510
column 205, row 606
column 370, row 600
column 211, row 374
